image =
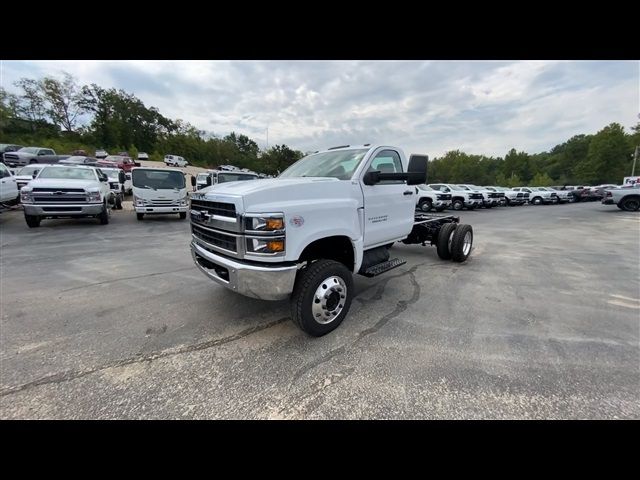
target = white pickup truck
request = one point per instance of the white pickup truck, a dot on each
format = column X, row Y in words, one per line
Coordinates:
column 626, row 198
column 460, row 197
column 303, row 235
column 428, row 199
column 538, row 196
column 63, row 191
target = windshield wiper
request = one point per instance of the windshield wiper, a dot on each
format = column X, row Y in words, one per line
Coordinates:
column 147, row 186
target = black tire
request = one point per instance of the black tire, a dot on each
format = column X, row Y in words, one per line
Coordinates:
column 425, row 205
column 536, row 201
column 389, row 245
column 471, row 207
column 488, row 205
column 439, row 209
column 446, row 231
column 308, row 281
column 118, row 204
column 32, row 161
column 139, row 216
column 630, row 204
column 507, row 201
column 183, row 215
column 104, row 215
column 457, row 204
column 32, row 220
column 458, row 251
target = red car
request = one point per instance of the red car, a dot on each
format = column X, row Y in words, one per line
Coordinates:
column 125, row 163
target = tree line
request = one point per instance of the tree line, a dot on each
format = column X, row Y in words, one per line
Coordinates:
column 64, row 115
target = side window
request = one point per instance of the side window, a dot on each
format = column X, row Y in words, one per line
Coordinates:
column 387, row 161
column 4, row 171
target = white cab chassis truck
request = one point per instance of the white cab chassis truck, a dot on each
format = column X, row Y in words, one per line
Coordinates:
column 303, row 235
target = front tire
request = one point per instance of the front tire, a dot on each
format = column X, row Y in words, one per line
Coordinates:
column 139, row 216
column 425, row 205
column 33, row 221
column 321, row 297
column 104, row 215
column 536, row 201
column 118, row 204
column 444, row 240
column 457, row 205
column 183, row 215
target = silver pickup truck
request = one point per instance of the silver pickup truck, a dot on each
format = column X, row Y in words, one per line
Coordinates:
column 626, row 198
column 28, row 155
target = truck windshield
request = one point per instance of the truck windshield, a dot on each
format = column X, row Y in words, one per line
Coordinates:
column 338, row 164
column 158, row 179
column 29, row 150
column 111, row 172
column 68, row 172
column 29, row 169
column 234, row 177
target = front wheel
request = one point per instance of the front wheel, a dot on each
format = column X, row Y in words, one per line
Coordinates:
column 536, row 201
column 139, row 216
column 321, row 297
column 104, row 215
column 183, row 215
column 457, row 204
column 118, row 204
column 33, row 221
column 425, row 205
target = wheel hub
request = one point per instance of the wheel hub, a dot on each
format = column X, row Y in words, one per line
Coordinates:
column 329, row 299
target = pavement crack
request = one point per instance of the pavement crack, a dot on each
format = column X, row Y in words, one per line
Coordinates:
column 74, row 374
column 125, row 278
column 325, row 358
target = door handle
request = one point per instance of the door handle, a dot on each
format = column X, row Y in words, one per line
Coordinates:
column 408, row 192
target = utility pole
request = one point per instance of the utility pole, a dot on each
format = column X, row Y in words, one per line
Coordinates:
column 635, row 157
column 267, row 137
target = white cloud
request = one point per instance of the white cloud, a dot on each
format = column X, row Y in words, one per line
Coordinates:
column 480, row 107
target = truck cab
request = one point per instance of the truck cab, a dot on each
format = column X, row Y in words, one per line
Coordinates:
column 159, row 191
column 303, row 235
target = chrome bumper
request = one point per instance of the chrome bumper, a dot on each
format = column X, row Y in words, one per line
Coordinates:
column 263, row 282
column 149, row 209
column 67, row 210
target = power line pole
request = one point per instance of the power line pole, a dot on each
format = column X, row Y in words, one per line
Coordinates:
column 635, row 157
column 267, row 137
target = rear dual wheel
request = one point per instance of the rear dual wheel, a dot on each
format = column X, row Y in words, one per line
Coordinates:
column 455, row 242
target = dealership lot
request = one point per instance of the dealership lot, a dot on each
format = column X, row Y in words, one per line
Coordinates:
column 114, row 321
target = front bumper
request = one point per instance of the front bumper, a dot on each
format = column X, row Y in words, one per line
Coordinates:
column 66, row 210
column 473, row 203
column 263, row 282
column 151, row 209
column 442, row 203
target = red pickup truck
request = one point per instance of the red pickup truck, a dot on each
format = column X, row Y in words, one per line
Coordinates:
column 125, row 163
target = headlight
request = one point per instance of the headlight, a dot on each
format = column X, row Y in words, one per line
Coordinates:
column 268, row 245
column 138, row 201
column 184, row 200
column 266, row 223
column 25, row 196
column 94, row 196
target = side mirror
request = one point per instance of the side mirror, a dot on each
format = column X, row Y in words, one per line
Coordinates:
column 193, row 181
column 417, row 169
column 104, row 178
column 121, row 176
column 371, row 178
column 208, row 181
column 34, row 174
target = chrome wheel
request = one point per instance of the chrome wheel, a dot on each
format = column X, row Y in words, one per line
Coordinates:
column 329, row 300
column 466, row 248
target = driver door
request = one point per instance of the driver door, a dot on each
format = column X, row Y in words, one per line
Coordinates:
column 389, row 205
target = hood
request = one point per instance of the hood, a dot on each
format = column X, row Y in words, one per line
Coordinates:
column 23, row 178
column 64, row 183
column 277, row 193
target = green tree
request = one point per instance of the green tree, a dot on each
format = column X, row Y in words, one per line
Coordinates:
column 31, row 103
column 541, row 180
column 63, row 100
column 608, row 158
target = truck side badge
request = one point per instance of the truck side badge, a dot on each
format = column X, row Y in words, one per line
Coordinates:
column 296, row 221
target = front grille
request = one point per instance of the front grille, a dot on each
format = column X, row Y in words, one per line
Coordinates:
column 526, row 195
column 520, row 195
column 444, row 196
column 215, row 208
column 61, row 209
column 493, row 195
column 10, row 156
column 216, row 238
column 554, row 194
column 163, row 203
column 476, row 196
column 65, row 190
column 59, row 199
column 114, row 185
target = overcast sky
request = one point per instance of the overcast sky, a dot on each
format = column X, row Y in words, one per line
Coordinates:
column 421, row 106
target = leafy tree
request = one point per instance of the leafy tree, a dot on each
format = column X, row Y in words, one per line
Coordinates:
column 63, row 100
column 608, row 158
column 541, row 180
column 31, row 103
